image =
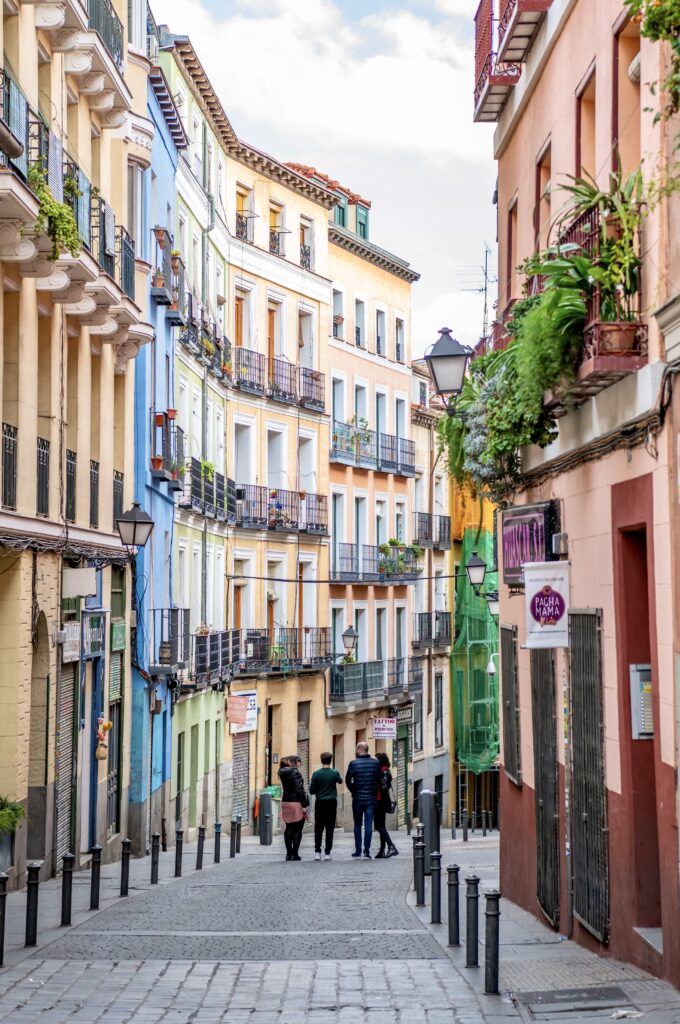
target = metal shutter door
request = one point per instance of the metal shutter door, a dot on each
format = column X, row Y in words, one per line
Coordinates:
column 240, row 774
column 510, row 698
column 402, row 747
column 545, row 771
column 303, row 751
column 65, row 760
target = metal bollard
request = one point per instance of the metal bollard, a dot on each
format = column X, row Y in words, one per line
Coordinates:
column 32, row 884
column 164, row 835
column 472, row 921
column 218, row 841
column 3, row 901
column 453, row 884
column 199, row 848
column 453, row 824
column 155, row 854
column 492, row 913
column 465, row 827
column 232, row 839
column 415, row 861
column 474, row 820
column 408, row 824
column 238, row 832
column 483, row 823
column 268, row 829
column 67, row 887
column 95, row 876
column 125, row 866
column 436, row 888
column 179, row 842
column 420, row 873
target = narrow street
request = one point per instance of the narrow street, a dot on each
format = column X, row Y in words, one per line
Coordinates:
column 255, row 940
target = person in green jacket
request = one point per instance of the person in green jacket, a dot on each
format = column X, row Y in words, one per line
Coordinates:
column 324, row 786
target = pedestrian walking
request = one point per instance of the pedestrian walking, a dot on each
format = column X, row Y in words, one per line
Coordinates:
column 324, row 788
column 294, row 803
column 362, row 779
column 386, row 804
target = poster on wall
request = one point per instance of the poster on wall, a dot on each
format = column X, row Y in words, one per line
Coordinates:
column 249, row 723
column 526, row 536
column 384, row 728
column 546, row 595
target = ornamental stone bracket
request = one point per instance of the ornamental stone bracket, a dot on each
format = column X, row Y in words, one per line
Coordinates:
column 106, row 329
column 102, row 101
column 50, row 17
column 116, row 118
column 54, row 15
column 57, row 281
column 92, row 84
column 18, row 251
column 83, row 307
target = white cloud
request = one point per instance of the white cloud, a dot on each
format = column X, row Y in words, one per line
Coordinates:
column 463, row 312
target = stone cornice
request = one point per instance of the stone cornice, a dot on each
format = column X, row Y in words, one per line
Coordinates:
column 372, row 253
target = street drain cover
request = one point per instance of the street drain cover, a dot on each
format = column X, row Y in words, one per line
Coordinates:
column 548, row 1005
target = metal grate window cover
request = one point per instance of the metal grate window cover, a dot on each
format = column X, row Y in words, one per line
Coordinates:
column 590, row 863
column 510, row 698
column 546, row 790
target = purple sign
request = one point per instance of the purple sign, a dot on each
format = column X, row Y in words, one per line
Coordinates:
column 547, row 606
column 527, row 537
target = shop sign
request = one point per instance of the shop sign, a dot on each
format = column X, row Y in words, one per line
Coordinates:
column 70, row 650
column 405, row 715
column 237, row 710
column 93, row 635
column 526, row 536
column 384, row 728
column 546, row 595
column 118, row 635
column 249, row 723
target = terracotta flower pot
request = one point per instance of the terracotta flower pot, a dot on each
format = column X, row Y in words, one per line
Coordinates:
column 157, row 461
column 171, row 414
column 618, row 336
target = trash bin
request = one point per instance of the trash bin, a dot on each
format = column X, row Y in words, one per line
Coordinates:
column 429, row 813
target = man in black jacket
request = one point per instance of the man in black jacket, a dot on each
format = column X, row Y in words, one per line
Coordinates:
column 363, row 782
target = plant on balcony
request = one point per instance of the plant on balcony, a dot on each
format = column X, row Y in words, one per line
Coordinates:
column 348, row 659
column 385, row 550
column 415, row 551
column 207, row 471
column 158, row 279
column 660, row 21
column 56, row 218
column 11, row 815
column 360, row 432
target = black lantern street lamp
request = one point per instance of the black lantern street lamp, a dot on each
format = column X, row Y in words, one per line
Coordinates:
column 447, row 362
column 349, row 639
column 476, row 570
column 134, row 527
column 493, row 603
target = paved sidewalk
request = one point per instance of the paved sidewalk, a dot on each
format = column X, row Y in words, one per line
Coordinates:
column 548, row 977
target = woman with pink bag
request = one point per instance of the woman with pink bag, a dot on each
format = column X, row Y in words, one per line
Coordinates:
column 294, row 804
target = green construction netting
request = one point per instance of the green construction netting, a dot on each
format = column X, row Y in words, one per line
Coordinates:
column 475, row 691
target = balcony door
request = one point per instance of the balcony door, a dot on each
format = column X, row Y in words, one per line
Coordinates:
column 361, row 628
column 399, row 632
column 305, row 339
column 275, row 467
column 380, row 634
column 381, row 412
column 359, row 523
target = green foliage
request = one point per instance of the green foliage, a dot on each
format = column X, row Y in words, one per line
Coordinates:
column 56, row 218
column 11, row 816
column 660, row 21
column 207, row 470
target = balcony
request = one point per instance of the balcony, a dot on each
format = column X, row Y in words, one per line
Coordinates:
column 70, row 495
column 176, row 311
column 397, row 677
column 9, row 466
column 306, row 257
column 259, row 508
column 106, row 23
column 161, row 282
column 242, row 232
column 432, row 531
column 282, row 381
column 311, row 389
column 205, row 491
column 358, row 446
column 345, row 563
column 494, row 78
column 210, row 659
column 415, row 675
column 442, row 629
column 280, row 651
column 252, row 507
column 94, row 494
column 519, row 21
column 368, row 564
column 118, row 495
column 422, row 631
column 167, row 450
column 249, row 371
column 442, row 533
column 375, row 682
column 169, row 640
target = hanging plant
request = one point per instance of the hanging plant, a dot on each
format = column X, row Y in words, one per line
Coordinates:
column 207, row 471
column 55, row 218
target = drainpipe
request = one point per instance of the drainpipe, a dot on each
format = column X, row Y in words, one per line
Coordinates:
column 204, row 431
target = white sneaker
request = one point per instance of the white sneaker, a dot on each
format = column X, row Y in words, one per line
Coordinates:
column 327, row 856
column 317, row 856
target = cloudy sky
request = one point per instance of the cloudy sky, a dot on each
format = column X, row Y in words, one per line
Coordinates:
column 379, row 95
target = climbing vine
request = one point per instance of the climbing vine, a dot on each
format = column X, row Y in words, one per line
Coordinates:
column 56, row 218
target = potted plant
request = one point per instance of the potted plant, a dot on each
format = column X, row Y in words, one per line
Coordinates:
column 157, row 462
column 171, row 414
column 159, row 234
column 158, row 279
column 11, row 816
column 302, row 495
column 159, row 419
column 174, row 261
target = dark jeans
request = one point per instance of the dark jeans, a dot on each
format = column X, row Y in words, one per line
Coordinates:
column 325, row 813
column 381, row 829
column 363, row 815
column 292, row 836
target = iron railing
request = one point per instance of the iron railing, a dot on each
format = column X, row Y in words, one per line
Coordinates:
column 401, row 565
column 306, row 257
column 378, row 345
column 249, row 370
column 441, row 534
column 282, row 380
column 176, row 313
column 315, row 513
column 398, row 351
column 94, row 494
column 162, row 292
column 281, row 650
column 357, row 337
column 415, row 675
column 9, row 466
column 357, row 681
column 45, row 152
column 170, row 640
column 422, row 630
column 407, row 457
column 252, row 506
column 106, row 23
column 397, row 678
column 275, row 242
column 70, row 496
column 423, row 529
column 15, row 115
column 345, row 567
column 242, row 231
column 78, row 195
column 118, row 488
column 42, row 494
column 210, row 657
column 103, row 245
column 284, row 510
column 389, row 453
column 442, row 629
column 311, row 388
column 370, row 563
column 126, row 262
column 357, row 445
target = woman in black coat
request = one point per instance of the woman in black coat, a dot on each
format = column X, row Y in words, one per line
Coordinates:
column 294, row 801
column 382, row 808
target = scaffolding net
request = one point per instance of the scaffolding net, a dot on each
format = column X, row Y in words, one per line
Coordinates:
column 475, row 689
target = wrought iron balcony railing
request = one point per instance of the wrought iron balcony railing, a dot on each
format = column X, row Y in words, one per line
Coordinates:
column 311, row 388
column 415, row 675
column 70, row 496
column 242, row 231
column 422, row 630
column 210, row 658
column 442, row 629
column 15, row 111
column 306, row 257
column 94, row 494
column 423, row 529
column 252, row 506
column 282, row 380
column 9, row 466
column 167, row 450
column 118, row 491
column 275, row 242
column 280, row 651
column 249, row 370
column 442, row 532
column 358, row 681
column 42, row 495
column 345, row 563
column 106, row 23
column 170, row 644
column 104, row 236
column 357, row 445
column 125, row 249
column 397, row 676
column 407, row 457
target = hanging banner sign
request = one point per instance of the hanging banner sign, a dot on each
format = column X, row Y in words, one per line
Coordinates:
column 248, row 722
column 237, row 710
column 546, row 589
column 384, row 728
column 526, row 536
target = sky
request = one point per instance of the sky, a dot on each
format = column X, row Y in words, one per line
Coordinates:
column 379, row 96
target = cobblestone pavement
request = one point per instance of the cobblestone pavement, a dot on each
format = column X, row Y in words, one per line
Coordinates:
column 252, row 941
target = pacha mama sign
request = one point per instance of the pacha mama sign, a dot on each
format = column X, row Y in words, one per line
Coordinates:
column 546, row 593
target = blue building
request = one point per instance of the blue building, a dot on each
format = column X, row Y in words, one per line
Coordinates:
column 161, row 634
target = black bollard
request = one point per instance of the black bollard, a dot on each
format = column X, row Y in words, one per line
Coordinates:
column 268, row 830
column 155, row 854
column 483, row 823
column 420, row 873
column 414, row 839
column 32, row 885
column 199, row 848
column 164, row 835
column 492, row 913
column 179, row 842
column 408, row 824
column 238, row 832
column 453, row 824
column 453, row 883
column 125, row 866
column 472, row 921
column 465, row 827
column 474, row 820
column 3, row 901
column 218, row 841
column 232, row 839
column 436, row 888
column 67, row 887
column 95, row 876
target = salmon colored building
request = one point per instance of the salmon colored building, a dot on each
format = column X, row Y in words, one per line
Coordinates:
column 589, row 798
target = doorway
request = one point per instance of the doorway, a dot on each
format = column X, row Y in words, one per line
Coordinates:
column 38, row 747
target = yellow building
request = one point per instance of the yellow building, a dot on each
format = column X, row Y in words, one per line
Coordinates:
column 74, row 104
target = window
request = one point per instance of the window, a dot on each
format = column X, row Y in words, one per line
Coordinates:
column 360, row 403
column 399, row 520
column 417, row 722
column 400, row 632
column 220, row 183
column 244, row 213
column 362, row 641
column 626, row 148
column 182, row 582
column 380, row 523
column 219, row 298
column 182, row 238
column 219, row 588
column 219, row 440
column 542, row 198
column 511, row 242
column 359, row 325
column 137, row 24
column 380, row 333
column 196, row 586
column 242, row 453
column 341, row 212
column 210, row 577
column 117, row 592
column 196, row 439
column 399, row 352
column 362, row 222
column 338, row 400
column 136, row 205
column 338, row 317
column 585, row 127
column 380, row 633
column 276, row 229
column 306, row 248
column 337, row 629
column 422, row 393
column 439, row 710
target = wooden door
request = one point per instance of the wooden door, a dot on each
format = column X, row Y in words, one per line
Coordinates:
column 238, row 321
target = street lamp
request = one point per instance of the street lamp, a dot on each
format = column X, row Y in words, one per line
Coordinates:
column 134, row 527
column 447, row 362
column 493, row 603
column 349, row 639
column 476, row 570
